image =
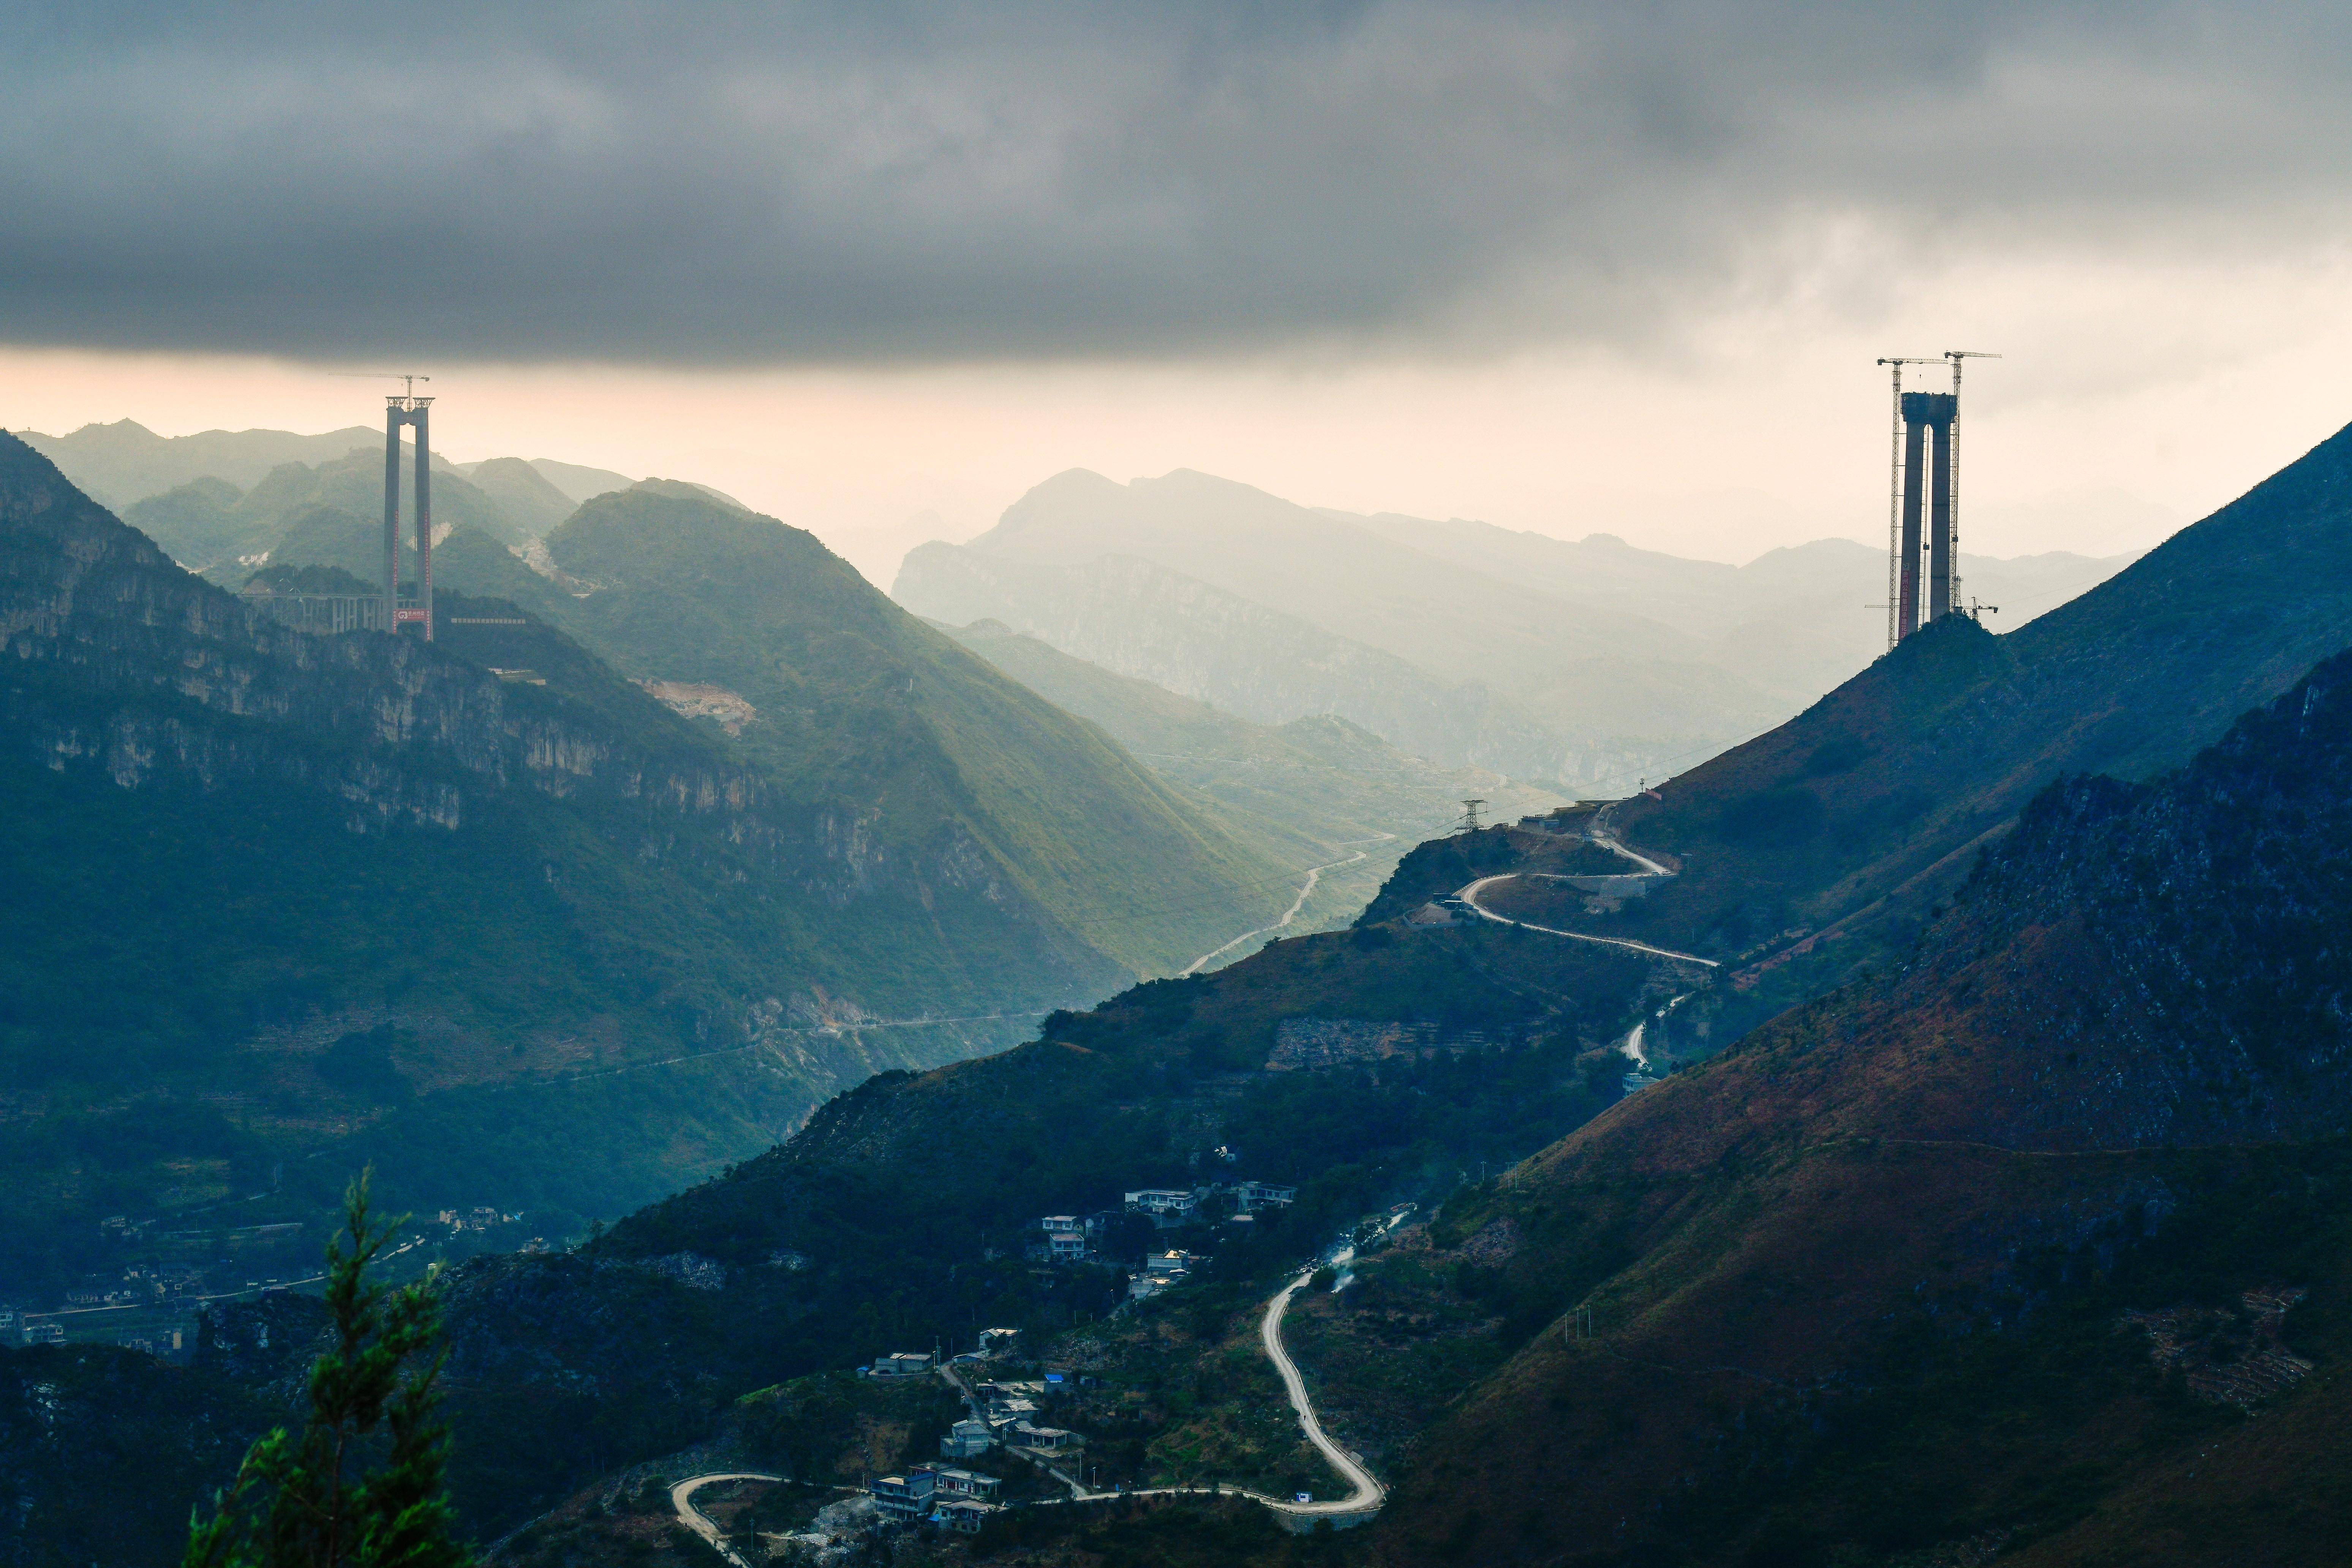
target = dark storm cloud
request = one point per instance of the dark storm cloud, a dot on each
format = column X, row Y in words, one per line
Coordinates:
column 668, row 182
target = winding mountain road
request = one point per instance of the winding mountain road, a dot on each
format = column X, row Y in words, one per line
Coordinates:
column 1469, row 896
column 1598, row 834
column 1598, row 831
column 681, row 1498
column 1366, row 1493
column 1314, row 875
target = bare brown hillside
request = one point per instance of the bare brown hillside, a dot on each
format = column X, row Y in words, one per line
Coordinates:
column 1880, row 1279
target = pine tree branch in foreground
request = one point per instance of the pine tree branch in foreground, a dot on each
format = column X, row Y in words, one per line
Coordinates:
column 365, row 1485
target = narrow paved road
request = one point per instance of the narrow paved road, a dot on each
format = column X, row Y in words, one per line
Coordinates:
column 1598, row 831
column 1314, row 875
column 1367, row 1494
column 681, row 1498
column 1469, row 896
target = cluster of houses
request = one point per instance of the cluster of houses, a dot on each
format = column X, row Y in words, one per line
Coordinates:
column 1071, row 1238
column 1009, row 1413
column 960, row 1500
column 954, row 1499
column 1161, row 1271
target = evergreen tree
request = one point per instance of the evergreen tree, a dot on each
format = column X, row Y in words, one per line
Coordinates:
column 362, row 1487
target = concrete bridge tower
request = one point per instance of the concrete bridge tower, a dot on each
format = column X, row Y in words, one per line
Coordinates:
column 407, row 409
column 1928, row 419
column 1925, row 510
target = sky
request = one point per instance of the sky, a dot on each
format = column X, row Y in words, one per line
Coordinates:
column 877, row 269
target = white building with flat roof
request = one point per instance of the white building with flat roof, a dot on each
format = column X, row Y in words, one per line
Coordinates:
column 904, row 1497
column 965, row 1439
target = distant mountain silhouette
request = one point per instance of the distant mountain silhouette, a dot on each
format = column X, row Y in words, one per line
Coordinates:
column 123, row 462
column 1583, row 665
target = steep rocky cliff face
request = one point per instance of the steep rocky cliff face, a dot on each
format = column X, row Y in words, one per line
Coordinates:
column 127, row 664
column 235, row 847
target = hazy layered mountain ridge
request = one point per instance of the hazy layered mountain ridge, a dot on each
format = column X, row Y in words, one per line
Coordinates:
column 123, row 462
column 220, row 502
column 1797, row 620
column 1142, row 620
column 1334, row 783
column 1585, row 665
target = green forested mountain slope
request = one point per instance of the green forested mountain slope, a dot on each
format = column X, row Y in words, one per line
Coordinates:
column 522, row 492
column 273, row 894
column 848, row 694
column 1337, row 788
column 212, row 529
column 197, row 523
column 900, row 1211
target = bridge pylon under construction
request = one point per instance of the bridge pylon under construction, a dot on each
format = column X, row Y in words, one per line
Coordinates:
column 407, row 409
column 1924, row 505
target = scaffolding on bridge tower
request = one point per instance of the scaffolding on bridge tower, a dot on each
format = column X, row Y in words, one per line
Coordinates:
column 406, row 408
column 1923, row 502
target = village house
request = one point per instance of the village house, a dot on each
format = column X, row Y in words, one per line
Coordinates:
column 965, row 1439
column 904, row 1497
column 1252, row 1195
column 1166, row 1205
column 1065, row 1237
column 1048, row 1442
column 904, row 1363
column 961, row 1514
column 968, row 1483
column 1007, row 1412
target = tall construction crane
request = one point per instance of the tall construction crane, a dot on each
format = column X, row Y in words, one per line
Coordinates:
column 1955, row 357
column 1894, row 562
column 408, row 382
